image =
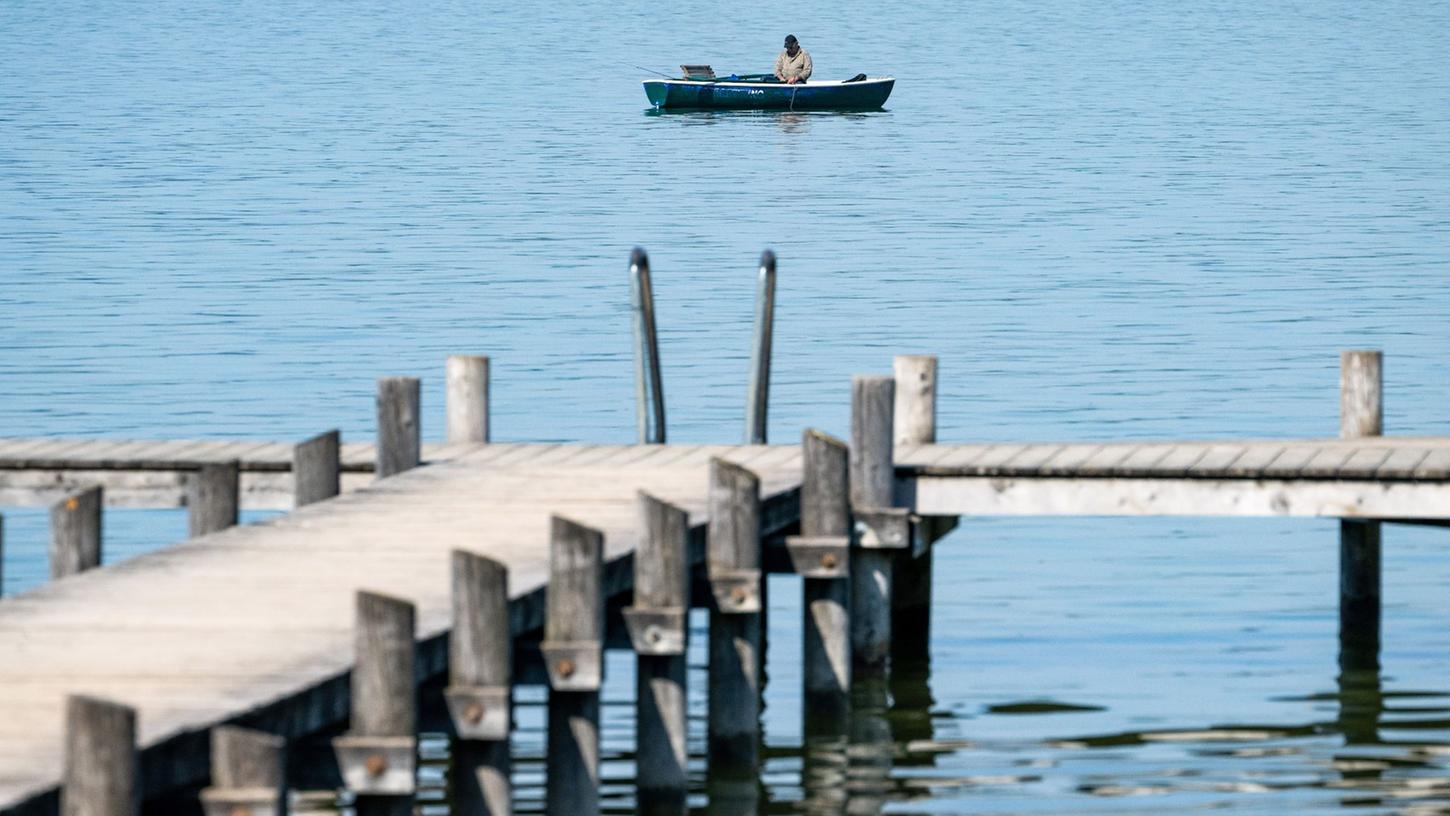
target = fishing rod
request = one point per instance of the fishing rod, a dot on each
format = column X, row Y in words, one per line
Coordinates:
column 646, row 70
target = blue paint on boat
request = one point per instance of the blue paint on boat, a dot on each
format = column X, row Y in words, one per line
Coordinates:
column 756, row 94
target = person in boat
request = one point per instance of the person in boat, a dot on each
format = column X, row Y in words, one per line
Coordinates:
column 794, row 63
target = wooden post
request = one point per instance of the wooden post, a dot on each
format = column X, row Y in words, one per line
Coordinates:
column 75, row 533
column 734, row 567
column 400, row 441
column 872, row 488
column 248, row 773
column 317, row 468
column 213, row 497
column 822, row 556
column 1361, row 414
column 478, row 693
column 378, row 756
column 573, row 650
column 2, row 555
column 101, row 776
column 657, row 626
column 467, row 398
column 914, row 423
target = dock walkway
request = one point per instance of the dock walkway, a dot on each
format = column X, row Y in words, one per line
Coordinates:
column 254, row 624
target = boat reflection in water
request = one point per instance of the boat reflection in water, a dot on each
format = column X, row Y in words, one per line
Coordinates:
column 787, row 121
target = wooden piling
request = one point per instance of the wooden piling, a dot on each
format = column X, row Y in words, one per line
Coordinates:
column 657, row 627
column 400, row 441
column 213, row 497
column 734, row 568
column 573, row 651
column 378, row 756
column 822, row 556
column 872, row 488
column 478, row 693
column 317, row 468
column 913, row 423
column 1361, row 414
column 467, row 398
column 75, row 533
column 248, row 773
column 101, row 776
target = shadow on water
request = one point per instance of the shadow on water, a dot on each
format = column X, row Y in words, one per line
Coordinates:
column 787, row 121
column 1373, row 749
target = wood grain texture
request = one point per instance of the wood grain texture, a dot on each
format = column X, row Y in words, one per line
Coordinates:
column 213, row 500
column 467, row 398
column 1361, row 394
column 575, row 616
column 101, row 763
column 246, row 758
column 826, row 625
column 915, row 399
column 75, row 533
column 872, row 470
column 400, row 440
column 317, row 468
column 872, row 486
column 736, row 640
column 382, row 677
column 1361, row 414
column 480, row 650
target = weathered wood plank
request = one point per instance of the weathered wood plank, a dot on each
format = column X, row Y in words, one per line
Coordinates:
column 1216, row 460
column 1401, row 463
column 987, row 496
column 1143, row 459
column 1107, row 458
column 1067, row 459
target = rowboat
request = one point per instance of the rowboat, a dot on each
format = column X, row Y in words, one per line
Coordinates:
column 765, row 92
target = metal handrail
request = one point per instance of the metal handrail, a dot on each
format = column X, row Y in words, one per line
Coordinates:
column 757, row 401
column 648, row 383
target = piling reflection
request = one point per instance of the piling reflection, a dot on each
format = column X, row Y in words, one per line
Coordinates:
column 870, row 749
column 1361, row 705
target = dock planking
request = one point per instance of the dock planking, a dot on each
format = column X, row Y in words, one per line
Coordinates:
column 253, row 625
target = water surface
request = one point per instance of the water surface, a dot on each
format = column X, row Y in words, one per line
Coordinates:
column 1110, row 221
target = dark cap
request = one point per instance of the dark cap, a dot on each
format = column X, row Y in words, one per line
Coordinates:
column 790, row 38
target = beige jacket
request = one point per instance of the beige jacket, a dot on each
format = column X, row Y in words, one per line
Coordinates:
column 798, row 67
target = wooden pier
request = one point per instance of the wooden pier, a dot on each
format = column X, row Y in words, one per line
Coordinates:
column 199, row 661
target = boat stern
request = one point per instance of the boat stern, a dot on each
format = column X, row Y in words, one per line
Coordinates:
column 658, row 91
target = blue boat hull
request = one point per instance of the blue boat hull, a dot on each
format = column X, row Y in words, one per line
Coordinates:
column 868, row 94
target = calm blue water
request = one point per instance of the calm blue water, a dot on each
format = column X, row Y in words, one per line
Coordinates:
column 1110, row 221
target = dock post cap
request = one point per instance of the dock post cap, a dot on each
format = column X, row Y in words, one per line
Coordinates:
column 736, row 591
column 883, row 528
column 638, row 257
column 767, row 261
column 574, row 665
column 479, row 712
column 233, row 801
column 377, row 766
column 820, row 556
column 656, row 631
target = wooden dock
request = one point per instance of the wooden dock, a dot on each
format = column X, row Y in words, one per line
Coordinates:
column 333, row 613
column 255, row 624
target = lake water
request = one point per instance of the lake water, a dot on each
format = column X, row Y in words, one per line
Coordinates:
column 1110, row 221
